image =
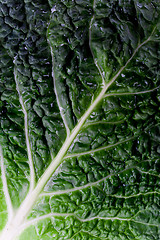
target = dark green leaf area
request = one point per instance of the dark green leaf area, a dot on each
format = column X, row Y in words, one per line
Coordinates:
column 118, row 28
column 37, row 14
column 11, row 120
column 81, row 170
column 108, row 217
column 13, row 25
column 131, row 106
column 118, row 119
column 95, row 229
column 26, row 67
column 100, row 135
column 126, row 202
column 46, row 136
column 76, row 76
column 17, row 173
column 35, row 82
column 12, row 136
column 14, row 148
column 137, row 81
column 85, row 171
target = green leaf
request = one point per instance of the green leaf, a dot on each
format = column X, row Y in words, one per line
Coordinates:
column 80, row 122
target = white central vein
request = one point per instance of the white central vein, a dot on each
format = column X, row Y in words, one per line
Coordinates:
column 29, row 151
column 5, row 187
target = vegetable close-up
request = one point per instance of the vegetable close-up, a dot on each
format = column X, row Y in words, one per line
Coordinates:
column 80, row 120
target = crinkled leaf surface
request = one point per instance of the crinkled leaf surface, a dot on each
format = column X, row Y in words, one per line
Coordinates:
column 80, row 121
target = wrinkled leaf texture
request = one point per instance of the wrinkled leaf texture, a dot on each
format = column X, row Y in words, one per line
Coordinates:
column 80, row 119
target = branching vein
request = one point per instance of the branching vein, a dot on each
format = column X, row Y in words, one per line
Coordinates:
column 50, row 215
column 130, row 93
column 86, row 185
column 61, row 109
column 88, row 124
column 5, row 188
column 97, row 149
column 29, row 151
column 117, row 218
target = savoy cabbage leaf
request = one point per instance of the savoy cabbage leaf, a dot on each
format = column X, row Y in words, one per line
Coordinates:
column 80, row 120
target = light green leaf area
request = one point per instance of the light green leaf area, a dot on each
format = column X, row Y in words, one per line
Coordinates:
column 79, row 120
column 3, row 208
